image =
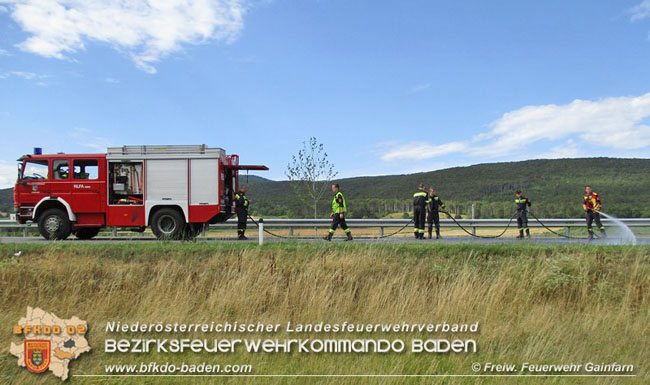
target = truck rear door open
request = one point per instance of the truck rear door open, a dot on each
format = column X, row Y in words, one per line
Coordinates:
column 232, row 174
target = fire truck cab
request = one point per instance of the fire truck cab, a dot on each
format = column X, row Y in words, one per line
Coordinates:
column 175, row 190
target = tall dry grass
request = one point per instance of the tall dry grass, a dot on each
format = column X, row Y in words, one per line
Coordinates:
column 557, row 304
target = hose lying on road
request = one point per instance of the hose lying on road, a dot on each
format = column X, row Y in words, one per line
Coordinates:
column 457, row 224
column 396, row 232
column 481, row 236
column 554, row 232
column 283, row 237
column 267, row 231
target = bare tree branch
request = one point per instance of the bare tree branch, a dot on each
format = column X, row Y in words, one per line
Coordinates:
column 311, row 170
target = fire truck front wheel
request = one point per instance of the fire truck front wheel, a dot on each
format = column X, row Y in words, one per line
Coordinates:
column 54, row 224
column 167, row 223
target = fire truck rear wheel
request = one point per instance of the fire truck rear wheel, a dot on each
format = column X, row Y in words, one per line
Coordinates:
column 86, row 232
column 54, row 224
column 167, row 223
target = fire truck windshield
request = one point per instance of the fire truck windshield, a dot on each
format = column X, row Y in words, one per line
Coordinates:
column 35, row 169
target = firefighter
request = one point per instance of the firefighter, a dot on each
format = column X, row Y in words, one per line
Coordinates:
column 592, row 208
column 434, row 206
column 61, row 171
column 523, row 204
column 241, row 209
column 339, row 207
column 419, row 211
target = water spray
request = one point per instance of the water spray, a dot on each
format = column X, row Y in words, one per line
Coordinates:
column 625, row 236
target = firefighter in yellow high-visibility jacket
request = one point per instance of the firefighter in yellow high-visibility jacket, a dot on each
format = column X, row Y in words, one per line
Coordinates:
column 339, row 207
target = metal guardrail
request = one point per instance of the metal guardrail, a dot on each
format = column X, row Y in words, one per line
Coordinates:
column 291, row 224
column 566, row 223
column 551, row 222
column 284, row 223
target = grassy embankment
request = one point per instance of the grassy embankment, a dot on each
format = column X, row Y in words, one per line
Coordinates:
column 557, row 304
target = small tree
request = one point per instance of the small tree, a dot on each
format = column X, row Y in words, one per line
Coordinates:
column 311, row 173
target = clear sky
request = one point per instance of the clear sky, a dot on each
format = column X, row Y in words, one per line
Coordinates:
column 387, row 86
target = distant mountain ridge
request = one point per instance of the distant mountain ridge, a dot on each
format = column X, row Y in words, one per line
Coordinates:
column 555, row 186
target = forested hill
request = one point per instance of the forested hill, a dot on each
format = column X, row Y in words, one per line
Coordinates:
column 555, row 187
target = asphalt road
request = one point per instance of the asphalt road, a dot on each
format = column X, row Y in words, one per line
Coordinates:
column 391, row 240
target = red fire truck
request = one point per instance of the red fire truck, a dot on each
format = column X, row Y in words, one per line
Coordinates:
column 173, row 189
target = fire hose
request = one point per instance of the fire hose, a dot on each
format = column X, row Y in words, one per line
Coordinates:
column 267, row 231
column 457, row 224
column 396, row 232
column 284, row 237
column 504, row 230
column 481, row 236
column 553, row 231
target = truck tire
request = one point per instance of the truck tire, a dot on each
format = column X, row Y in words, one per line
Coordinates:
column 167, row 223
column 54, row 224
column 86, row 232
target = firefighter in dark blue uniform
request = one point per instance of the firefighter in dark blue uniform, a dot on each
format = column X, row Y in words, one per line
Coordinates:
column 419, row 211
column 339, row 207
column 523, row 204
column 434, row 206
column 241, row 209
